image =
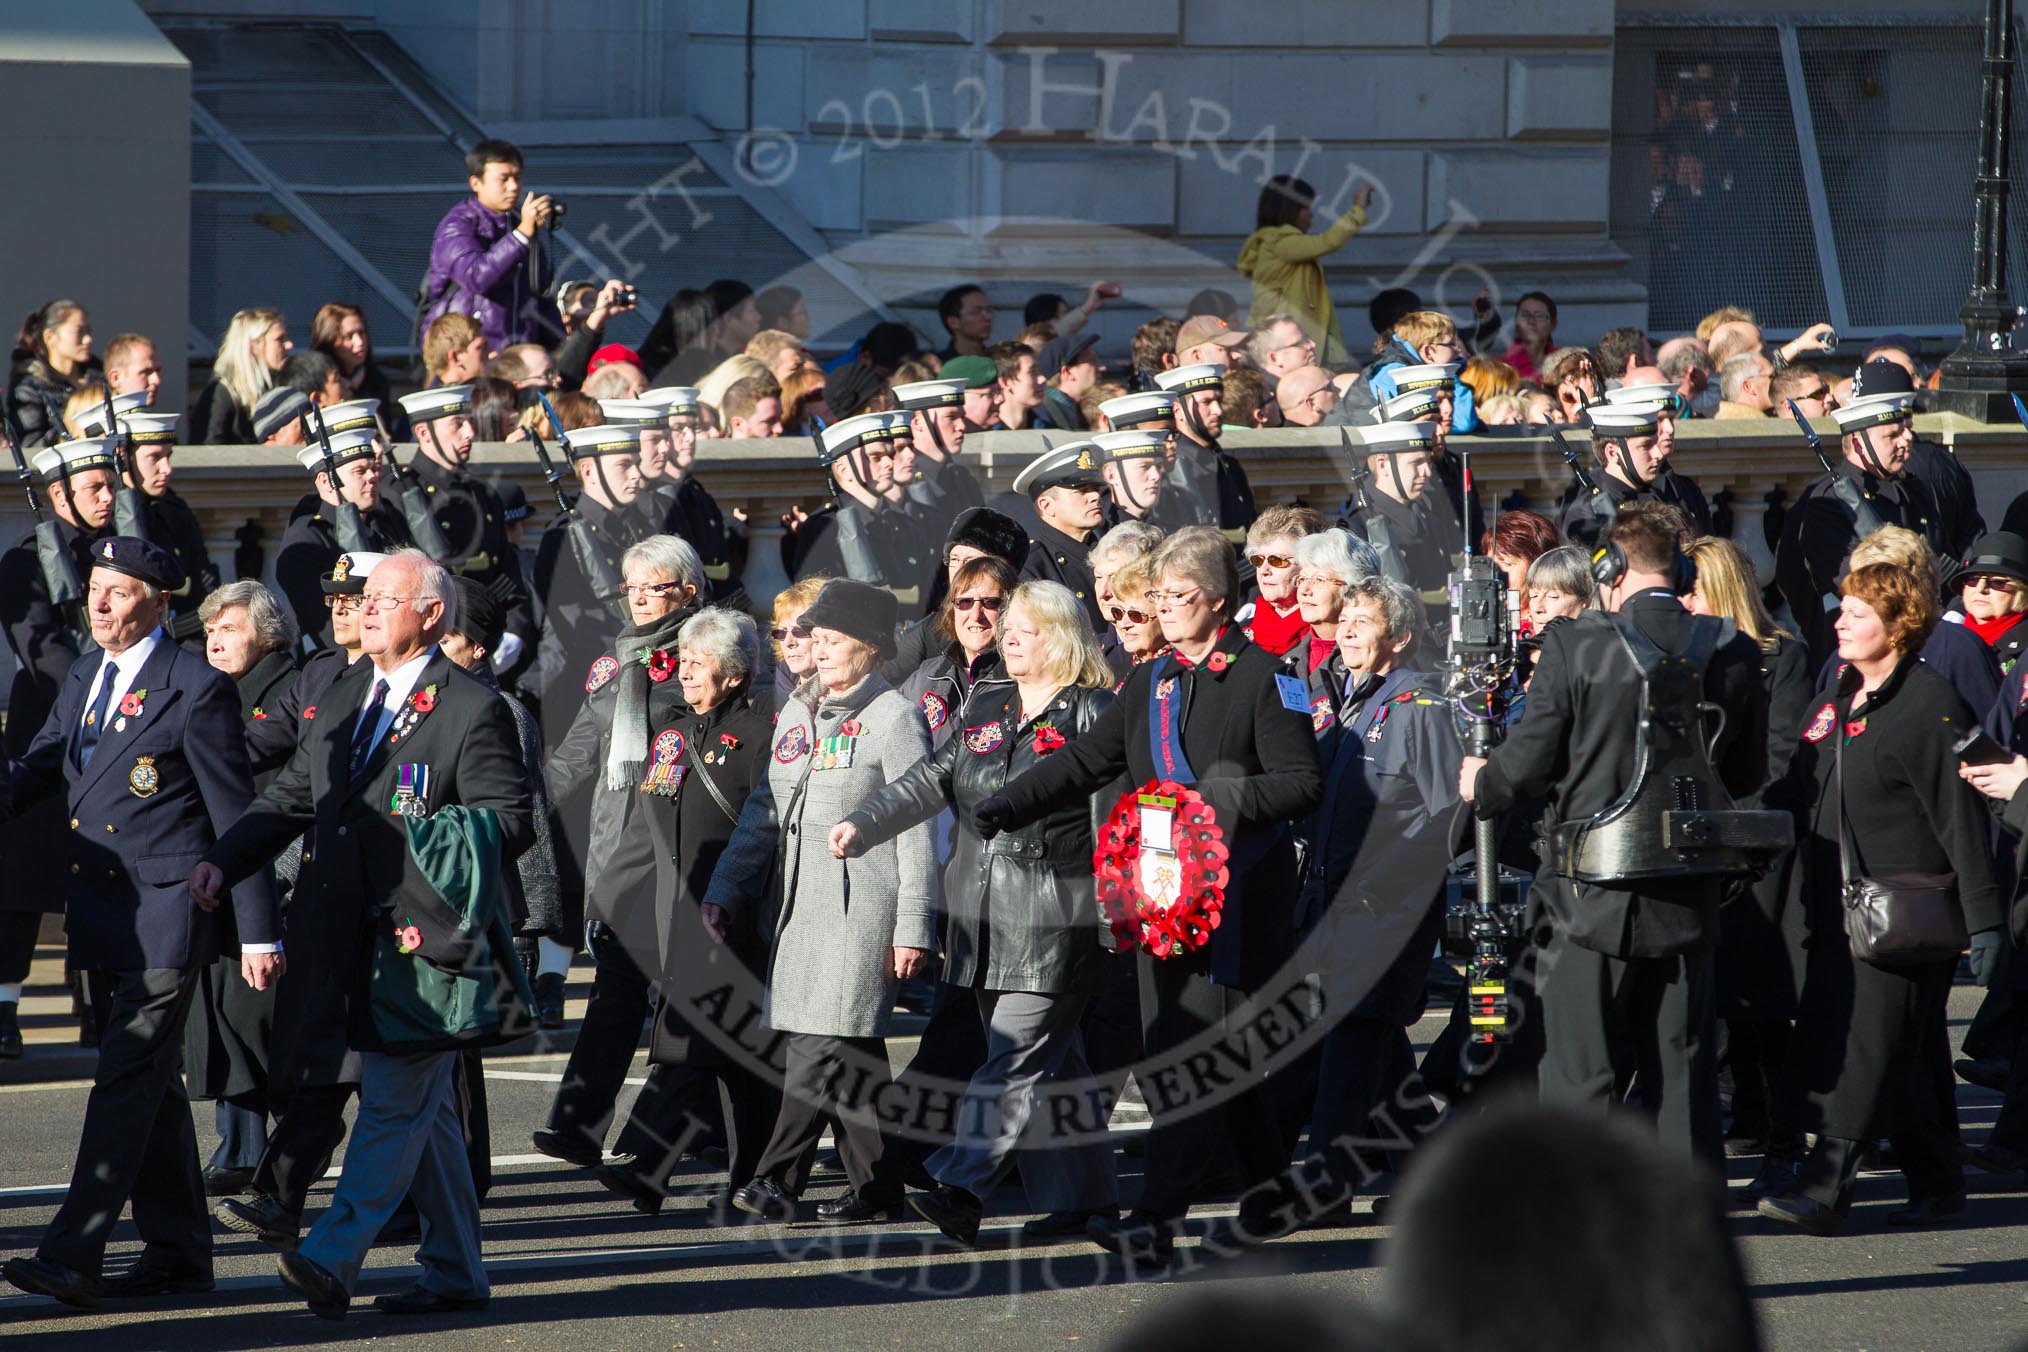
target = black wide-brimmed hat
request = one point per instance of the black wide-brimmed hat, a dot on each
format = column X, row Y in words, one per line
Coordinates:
column 858, row 610
column 2000, row 554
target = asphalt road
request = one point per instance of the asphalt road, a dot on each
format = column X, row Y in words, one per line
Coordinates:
column 574, row 1267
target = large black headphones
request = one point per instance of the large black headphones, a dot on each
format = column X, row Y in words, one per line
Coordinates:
column 1609, row 566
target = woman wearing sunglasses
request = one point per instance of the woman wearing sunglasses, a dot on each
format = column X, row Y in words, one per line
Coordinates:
column 969, row 624
column 1211, row 716
column 1022, row 923
column 1992, row 588
column 1132, row 611
column 1274, row 620
column 795, row 661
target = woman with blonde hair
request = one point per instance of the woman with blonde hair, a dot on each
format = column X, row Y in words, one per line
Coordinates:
column 789, row 639
column 1757, row 975
column 1959, row 655
column 720, row 378
column 1490, row 377
column 1022, row 919
column 255, row 345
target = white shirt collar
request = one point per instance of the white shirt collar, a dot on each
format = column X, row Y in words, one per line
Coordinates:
column 130, row 663
column 401, row 681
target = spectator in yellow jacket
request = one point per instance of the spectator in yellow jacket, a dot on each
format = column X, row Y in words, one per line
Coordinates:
column 1283, row 259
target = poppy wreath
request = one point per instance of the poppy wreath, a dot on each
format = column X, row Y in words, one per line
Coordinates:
column 1138, row 921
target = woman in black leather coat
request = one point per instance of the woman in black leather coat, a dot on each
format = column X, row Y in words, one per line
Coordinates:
column 1022, row 928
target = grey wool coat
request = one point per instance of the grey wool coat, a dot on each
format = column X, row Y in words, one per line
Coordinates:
column 833, row 920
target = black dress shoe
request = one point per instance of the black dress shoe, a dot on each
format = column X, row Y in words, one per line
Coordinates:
column 1064, row 1224
column 853, row 1208
column 1993, row 1159
column 1745, row 1145
column 1927, row 1210
column 262, row 1217
column 764, row 1198
column 569, row 1149
column 1807, row 1214
column 10, row 1030
column 421, row 1300
column 632, row 1185
column 1139, row 1241
column 402, row 1231
column 719, row 1210
column 40, row 1277
column 1777, row 1175
column 1986, row 1072
column 226, row 1182
column 155, row 1279
column 954, row 1211
column 549, row 1001
column 328, row 1299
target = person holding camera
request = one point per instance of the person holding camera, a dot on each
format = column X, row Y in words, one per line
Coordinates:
column 484, row 261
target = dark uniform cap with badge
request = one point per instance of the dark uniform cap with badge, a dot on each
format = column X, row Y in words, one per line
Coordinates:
column 92, row 421
column 605, row 439
column 354, row 414
column 439, row 402
column 348, row 575
column 1201, row 375
column 923, row 394
column 1072, row 465
column 58, row 462
column 138, row 558
column 513, row 501
column 346, row 447
column 277, row 408
column 480, row 617
column 850, row 387
column 1131, row 410
column 858, row 610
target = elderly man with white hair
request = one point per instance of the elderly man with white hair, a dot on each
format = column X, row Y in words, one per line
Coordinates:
column 410, row 784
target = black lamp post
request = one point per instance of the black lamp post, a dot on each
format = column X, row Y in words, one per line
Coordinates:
column 1978, row 377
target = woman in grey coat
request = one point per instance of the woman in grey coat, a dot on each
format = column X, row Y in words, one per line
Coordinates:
column 845, row 932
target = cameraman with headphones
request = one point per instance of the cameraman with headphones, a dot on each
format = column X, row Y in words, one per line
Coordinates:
column 1626, row 974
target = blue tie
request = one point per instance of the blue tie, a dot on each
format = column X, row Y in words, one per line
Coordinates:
column 95, row 721
column 369, row 723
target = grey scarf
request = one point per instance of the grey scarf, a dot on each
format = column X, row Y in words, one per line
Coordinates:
column 627, row 742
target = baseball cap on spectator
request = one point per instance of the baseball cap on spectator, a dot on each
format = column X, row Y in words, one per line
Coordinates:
column 1207, row 329
column 610, row 353
column 849, row 388
column 976, row 372
column 1067, row 350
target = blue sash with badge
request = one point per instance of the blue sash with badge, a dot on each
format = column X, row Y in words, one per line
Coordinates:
column 1165, row 722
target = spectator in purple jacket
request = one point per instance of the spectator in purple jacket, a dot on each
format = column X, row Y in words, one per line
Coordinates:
column 479, row 256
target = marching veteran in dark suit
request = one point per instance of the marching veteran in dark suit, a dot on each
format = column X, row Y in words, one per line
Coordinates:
column 145, row 742
column 410, row 785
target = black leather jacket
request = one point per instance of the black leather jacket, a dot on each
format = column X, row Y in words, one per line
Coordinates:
column 1021, row 911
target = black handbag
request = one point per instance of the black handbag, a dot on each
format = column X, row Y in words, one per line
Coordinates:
column 1895, row 919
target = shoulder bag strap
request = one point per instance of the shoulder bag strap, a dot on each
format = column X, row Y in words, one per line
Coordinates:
column 698, row 772
column 1846, row 872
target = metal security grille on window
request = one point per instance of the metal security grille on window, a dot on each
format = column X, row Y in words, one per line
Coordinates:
column 1706, row 195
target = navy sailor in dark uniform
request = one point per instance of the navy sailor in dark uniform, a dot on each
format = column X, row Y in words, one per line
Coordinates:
column 1633, row 443
column 1065, row 482
column 1212, row 482
column 1396, row 516
column 310, row 546
column 467, row 509
column 145, row 742
column 578, row 622
column 863, row 534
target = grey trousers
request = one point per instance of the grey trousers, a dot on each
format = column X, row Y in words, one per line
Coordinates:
column 1032, row 1041
column 407, row 1142
column 1654, row 1020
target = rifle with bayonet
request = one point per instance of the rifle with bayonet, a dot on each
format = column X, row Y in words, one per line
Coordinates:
column 592, row 560
column 1846, row 489
column 414, row 500
column 349, row 525
column 52, row 553
column 129, row 513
